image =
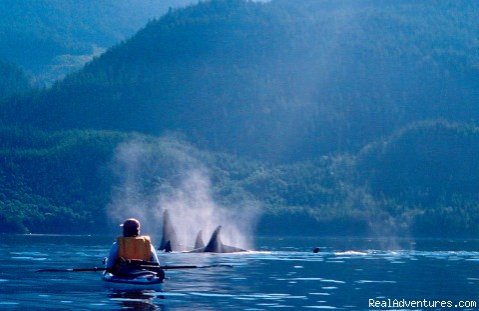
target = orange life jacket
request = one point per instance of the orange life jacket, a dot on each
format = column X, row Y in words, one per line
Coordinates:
column 138, row 247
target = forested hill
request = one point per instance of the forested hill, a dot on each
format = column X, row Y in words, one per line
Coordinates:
column 336, row 117
column 49, row 38
column 280, row 80
column 420, row 181
column 12, row 81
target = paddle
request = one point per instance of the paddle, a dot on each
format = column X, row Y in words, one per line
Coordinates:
column 148, row 267
column 194, row 267
column 72, row 270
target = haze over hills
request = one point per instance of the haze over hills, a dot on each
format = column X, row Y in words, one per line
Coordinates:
column 12, row 81
column 350, row 117
column 277, row 80
column 50, row 38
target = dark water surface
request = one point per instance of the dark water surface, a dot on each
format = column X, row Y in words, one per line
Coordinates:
column 282, row 274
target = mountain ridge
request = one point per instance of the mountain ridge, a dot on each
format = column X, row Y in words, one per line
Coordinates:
column 339, row 114
column 256, row 80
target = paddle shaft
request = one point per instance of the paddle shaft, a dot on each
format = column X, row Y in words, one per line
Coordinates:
column 73, row 270
column 147, row 267
column 194, row 267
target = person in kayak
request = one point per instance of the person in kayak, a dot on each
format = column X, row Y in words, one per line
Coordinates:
column 131, row 246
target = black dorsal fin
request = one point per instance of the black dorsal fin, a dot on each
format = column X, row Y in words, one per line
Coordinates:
column 199, row 240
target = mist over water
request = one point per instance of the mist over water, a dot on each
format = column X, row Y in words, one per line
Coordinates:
column 168, row 174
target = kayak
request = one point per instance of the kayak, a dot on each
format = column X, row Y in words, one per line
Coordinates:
column 136, row 280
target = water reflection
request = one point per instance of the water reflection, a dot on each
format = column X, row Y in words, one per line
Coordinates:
column 138, row 300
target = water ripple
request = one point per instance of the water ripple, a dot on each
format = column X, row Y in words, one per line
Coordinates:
column 291, row 278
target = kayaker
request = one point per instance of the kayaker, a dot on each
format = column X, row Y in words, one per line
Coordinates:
column 131, row 246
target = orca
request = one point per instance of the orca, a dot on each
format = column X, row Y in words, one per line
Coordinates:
column 169, row 239
column 199, row 240
column 215, row 245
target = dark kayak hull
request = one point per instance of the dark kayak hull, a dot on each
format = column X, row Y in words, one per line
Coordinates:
column 140, row 282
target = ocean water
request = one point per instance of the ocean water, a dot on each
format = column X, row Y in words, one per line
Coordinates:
column 281, row 274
